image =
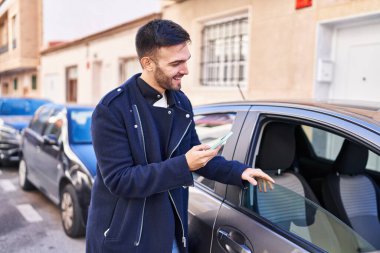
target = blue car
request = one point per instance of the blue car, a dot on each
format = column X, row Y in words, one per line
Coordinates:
column 58, row 159
column 15, row 114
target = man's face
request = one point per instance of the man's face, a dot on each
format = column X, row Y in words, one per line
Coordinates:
column 171, row 66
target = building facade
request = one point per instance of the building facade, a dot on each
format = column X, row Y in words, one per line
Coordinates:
column 20, row 42
column 82, row 71
column 280, row 49
column 241, row 49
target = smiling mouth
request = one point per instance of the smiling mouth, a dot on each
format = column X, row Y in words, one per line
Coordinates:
column 177, row 78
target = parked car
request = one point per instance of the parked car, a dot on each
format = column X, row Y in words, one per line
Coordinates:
column 59, row 160
column 15, row 114
column 325, row 159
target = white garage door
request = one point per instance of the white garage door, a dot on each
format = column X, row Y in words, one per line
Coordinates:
column 357, row 63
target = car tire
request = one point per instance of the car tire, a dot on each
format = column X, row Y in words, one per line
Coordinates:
column 23, row 180
column 71, row 213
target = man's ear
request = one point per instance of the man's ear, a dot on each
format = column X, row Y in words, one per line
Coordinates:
column 147, row 63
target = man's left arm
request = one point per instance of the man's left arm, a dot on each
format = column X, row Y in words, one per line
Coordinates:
column 230, row 172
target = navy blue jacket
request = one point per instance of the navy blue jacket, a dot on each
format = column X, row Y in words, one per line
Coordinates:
column 139, row 200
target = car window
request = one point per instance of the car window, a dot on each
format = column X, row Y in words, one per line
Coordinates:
column 296, row 214
column 54, row 126
column 287, row 151
column 80, row 126
column 210, row 127
column 40, row 119
column 373, row 162
column 325, row 144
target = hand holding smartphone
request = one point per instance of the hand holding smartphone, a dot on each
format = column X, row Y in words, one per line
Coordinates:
column 221, row 141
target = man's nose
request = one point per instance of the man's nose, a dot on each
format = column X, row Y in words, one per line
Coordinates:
column 184, row 70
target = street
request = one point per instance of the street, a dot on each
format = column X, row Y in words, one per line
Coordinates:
column 29, row 221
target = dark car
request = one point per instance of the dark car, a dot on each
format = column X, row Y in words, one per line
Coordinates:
column 325, row 159
column 15, row 114
column 59, row 160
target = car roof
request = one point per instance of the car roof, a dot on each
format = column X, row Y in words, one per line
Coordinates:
column 353, row 110
column 23, row 98
column 70, row 107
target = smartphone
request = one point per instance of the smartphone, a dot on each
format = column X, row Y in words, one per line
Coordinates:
column 221, row 141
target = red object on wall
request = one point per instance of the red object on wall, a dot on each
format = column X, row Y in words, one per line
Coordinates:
column 303, row 3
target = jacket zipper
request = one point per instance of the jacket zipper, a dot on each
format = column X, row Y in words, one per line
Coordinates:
column 137, row 242
column 138, row 239
column 183, row 230
column 187, row 128
column 170, row 195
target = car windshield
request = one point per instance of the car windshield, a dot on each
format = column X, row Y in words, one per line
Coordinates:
column 80, row 126
column 298, row 215
column 20, row 106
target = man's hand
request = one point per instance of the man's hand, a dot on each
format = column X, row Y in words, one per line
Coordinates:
column 258, row 177
column 198, row 156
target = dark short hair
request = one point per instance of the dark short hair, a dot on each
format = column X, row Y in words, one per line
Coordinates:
column 159, row 33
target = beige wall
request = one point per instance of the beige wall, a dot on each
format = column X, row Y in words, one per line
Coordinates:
column 282, row 43
column 21, row 62
column 107, row 50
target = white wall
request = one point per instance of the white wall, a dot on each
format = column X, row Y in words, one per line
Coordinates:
column 107, row 50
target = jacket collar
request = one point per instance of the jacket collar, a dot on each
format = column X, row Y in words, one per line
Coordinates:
column 183, row 118
column 151, row 95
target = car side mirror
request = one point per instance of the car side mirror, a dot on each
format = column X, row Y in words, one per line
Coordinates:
column 50, row 139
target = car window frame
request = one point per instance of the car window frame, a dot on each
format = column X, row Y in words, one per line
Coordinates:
column 49, row 109
column 248, row 145
column 241, row 111
column 326, row 122
column 55, row 112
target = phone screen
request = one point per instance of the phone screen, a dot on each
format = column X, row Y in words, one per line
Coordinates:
column 221, row 141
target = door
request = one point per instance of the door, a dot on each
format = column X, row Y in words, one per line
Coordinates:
column 288, row 218
column 97, row 77
column 50, row 154
column 31, row 146
column 207, row 195
column 357, row 58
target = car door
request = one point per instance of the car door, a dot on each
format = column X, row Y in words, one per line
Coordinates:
column 31, row 145
column 281, row 220
column 207, row 195
column 51, row 152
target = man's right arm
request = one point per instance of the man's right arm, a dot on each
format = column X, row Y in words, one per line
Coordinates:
column 118, row 169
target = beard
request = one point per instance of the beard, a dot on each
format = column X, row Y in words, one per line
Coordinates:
column 165, row 81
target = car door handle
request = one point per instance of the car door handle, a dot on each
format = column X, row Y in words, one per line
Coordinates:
column 229, row 244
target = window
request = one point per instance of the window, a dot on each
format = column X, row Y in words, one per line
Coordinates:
column 54, row 127
column 34, row 82
column 224, row 53
column 14, row 32
column 80, row 126
column 40, row 119
column 209, row 128
column 325, row 144
column 15, row 82
column 283, row 151
column 129, row 67
column 72, row 84
column 4, row 88
column 4, row 33
column 373, row 162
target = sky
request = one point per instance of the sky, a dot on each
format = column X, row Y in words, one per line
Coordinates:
column 65, row 20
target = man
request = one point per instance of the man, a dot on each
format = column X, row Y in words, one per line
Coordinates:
column 146, row 147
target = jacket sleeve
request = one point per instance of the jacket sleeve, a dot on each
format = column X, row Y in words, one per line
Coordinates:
column 117, row 167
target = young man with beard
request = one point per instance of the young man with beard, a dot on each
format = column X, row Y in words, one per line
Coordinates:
column 147, row 147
